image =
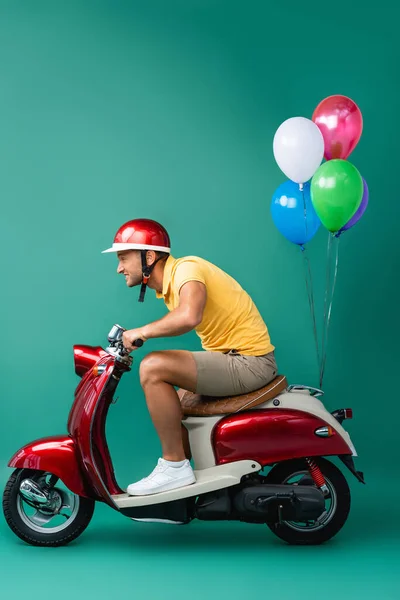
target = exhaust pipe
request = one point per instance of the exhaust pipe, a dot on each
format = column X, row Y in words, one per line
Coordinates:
column 32, row 492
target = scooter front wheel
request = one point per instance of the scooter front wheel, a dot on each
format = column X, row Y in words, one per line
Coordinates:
column 337, row 502
column 56, row 522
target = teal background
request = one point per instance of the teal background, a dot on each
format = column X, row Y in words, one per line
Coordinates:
column 167, row 110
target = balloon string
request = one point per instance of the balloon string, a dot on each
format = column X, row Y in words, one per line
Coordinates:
column 327, row 285
column 328, row 308
column 308, row 278
column 305, row 211
column 310, row 294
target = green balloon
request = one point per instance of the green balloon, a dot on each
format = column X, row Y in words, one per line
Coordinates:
column 336, row 193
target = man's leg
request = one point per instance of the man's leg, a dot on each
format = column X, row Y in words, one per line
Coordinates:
column 185, row 434
column 159, row 373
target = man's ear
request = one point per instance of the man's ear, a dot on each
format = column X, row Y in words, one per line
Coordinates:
column 150, row 257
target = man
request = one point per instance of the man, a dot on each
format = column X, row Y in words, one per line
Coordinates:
column 237, row 356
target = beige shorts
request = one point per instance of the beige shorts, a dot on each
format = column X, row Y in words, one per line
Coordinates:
column 232, row 374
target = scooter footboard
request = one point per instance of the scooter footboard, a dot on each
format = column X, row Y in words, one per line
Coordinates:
column 57, row 455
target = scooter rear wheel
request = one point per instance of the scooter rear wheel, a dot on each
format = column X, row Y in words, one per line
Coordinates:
column 337, row 502
column 58, row 525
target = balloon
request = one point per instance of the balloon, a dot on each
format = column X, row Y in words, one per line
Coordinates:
column 361, row 209
column 341, row 124
column 293, row 213
column 298, row 148
column 336, row 193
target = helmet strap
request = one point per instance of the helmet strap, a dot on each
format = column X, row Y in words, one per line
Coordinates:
column 146, row 270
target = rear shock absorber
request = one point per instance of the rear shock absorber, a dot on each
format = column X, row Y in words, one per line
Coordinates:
column 317, row 476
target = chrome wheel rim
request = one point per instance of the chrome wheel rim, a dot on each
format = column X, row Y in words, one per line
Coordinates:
column 48, row 521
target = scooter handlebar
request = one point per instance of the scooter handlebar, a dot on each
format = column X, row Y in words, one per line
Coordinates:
column 115, row 339
column 138, row 343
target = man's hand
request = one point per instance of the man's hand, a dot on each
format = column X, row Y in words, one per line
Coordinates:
column 129, row 336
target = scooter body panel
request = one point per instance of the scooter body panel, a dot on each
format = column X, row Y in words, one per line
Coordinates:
column 303, row 400
column 273, row 435
column 57, row 455
column 86, row 425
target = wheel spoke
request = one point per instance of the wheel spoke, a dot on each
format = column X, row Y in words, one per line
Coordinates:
column 68, row 499
column 322, row 517
column 41, row 519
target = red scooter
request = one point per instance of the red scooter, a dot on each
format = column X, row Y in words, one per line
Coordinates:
column 304, row 498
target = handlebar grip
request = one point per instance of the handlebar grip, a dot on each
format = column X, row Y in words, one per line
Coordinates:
column 138, row 343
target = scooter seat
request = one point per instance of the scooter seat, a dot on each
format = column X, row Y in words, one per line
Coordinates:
column 196, row 405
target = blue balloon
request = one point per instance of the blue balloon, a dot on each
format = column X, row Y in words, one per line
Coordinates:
column 293, row 212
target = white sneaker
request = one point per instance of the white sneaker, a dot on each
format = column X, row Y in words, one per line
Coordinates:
column 163, row 478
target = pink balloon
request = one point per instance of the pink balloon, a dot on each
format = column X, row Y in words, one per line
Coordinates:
column 340, row 122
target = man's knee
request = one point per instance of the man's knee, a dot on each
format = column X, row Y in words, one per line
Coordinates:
column 151, row 367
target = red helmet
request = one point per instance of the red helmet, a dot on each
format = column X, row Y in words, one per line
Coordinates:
column 142, row 234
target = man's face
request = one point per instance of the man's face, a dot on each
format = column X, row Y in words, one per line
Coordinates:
column 130, row 265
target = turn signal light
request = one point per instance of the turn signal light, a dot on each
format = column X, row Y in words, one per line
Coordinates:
column 326, row 431
column 98, row 370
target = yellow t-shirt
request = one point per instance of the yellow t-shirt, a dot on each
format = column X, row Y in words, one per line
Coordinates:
column 231, row 320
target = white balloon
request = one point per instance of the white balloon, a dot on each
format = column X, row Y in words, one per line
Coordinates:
column 298, row 148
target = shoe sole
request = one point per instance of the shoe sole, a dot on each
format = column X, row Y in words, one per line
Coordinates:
column 164, row 488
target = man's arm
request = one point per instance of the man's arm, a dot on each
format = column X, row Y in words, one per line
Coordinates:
column 184, row 318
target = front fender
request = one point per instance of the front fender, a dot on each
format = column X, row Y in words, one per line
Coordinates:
column 57, row 455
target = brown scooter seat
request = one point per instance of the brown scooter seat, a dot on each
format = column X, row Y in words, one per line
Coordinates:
column 195, row 405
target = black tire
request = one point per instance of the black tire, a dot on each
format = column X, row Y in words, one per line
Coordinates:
column 286, row 531
column 78, row 524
